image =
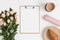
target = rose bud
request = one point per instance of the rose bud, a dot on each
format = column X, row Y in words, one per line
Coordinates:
column 4, row 24
column 3, row 15
column 7, row 13
column 11, row 18
column 11, row 11
column 15, row 16
column 1, row 21
column 8, row 21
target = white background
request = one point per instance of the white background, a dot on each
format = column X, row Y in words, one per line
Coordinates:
column 6, row 4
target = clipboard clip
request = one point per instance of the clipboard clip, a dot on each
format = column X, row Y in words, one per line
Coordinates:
column 30, row 6
column 26, row 7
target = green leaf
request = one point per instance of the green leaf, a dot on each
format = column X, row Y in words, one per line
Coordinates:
column 1, row 34
column 11, row 25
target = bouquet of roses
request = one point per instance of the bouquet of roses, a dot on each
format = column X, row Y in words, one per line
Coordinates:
column 8, row 24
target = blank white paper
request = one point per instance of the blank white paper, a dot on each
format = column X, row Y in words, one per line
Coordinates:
column 30, row 19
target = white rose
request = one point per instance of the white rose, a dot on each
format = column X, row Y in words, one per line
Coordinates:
column 8, row 20
column 1, row 21
column 8, row 13
column 11, row 12
column 11, row 18
column 4, row 24
column 16, row 16
column 3, row 15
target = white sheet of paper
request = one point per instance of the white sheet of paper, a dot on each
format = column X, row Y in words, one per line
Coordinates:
column 30, row 20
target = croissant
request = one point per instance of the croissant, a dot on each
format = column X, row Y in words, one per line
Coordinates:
column 52, row 35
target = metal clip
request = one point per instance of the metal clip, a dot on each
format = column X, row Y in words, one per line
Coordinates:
column 26, row 7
